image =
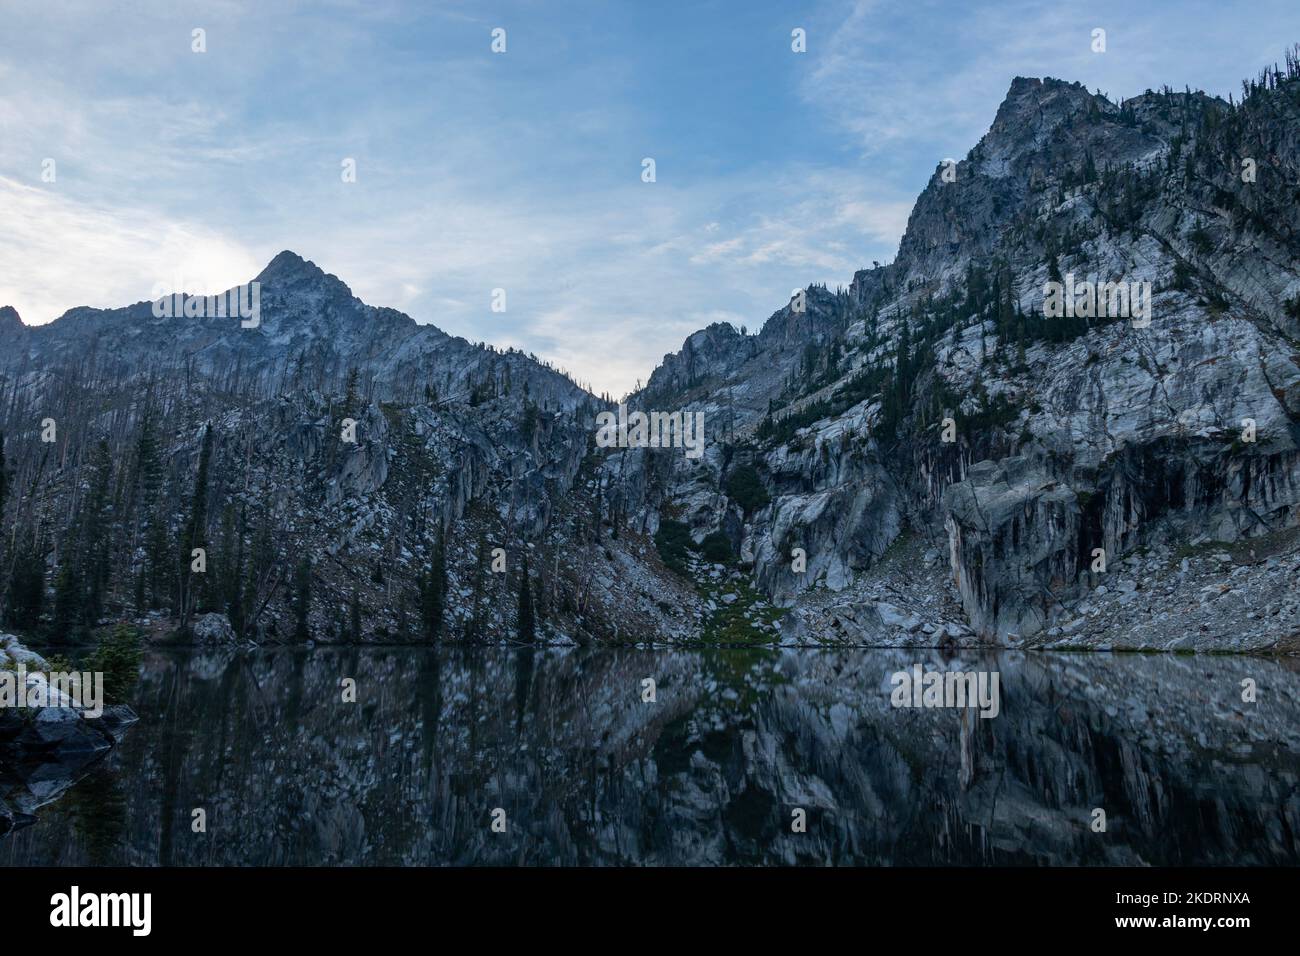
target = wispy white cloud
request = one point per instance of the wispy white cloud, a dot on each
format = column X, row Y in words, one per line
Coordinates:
column 59, row 253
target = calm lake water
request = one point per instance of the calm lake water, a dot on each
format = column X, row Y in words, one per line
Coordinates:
column 711, row 772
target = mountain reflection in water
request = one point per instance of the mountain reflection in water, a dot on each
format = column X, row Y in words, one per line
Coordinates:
column 709, row 773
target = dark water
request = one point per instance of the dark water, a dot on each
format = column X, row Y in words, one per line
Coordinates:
column 711, row 772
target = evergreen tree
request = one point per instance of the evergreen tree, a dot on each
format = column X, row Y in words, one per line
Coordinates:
column 83, row 572
column 352, row 399
column 194, row 536
column 433, row 591
column 745, row 487
column 96, row 538
column 1089, row 167
column 541, row 593
column 1005, row 290
column 228, row 560
column 302, row 600
column 403, row 620
column 141, row 599
column 150, row 524
column 4, row 493
column 527, row 624
column 4, row 479
column 26, row 598
column 475, row 628
column 354, row 619
column 68, row 609
column 259, row 563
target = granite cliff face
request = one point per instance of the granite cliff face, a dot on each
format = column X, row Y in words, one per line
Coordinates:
column 936, row 401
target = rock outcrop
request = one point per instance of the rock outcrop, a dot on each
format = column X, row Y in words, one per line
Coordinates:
column 44, row 750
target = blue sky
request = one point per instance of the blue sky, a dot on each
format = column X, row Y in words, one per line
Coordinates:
column 522, row 170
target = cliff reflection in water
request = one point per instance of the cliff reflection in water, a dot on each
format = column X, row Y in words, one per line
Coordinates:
column 710, row 773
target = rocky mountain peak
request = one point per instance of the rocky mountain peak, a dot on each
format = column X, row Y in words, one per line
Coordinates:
column 288, row 264
column 9, row 317
column 1046, row 133
column 1035, row 111
column 1026, row 90
column 291, row 274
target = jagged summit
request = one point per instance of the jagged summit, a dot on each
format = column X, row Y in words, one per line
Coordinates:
column 1034, row 106
column 1031, row 101
column 1030, row 85
column 288, row 263
column 290, row 272
column 9, row 316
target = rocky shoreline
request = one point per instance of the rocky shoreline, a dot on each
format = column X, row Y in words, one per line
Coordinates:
column 1202, row 597
column 45, row 750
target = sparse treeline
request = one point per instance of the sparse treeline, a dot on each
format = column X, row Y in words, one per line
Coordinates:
column 126, row 529
column 109, row 516
column 148, row 502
